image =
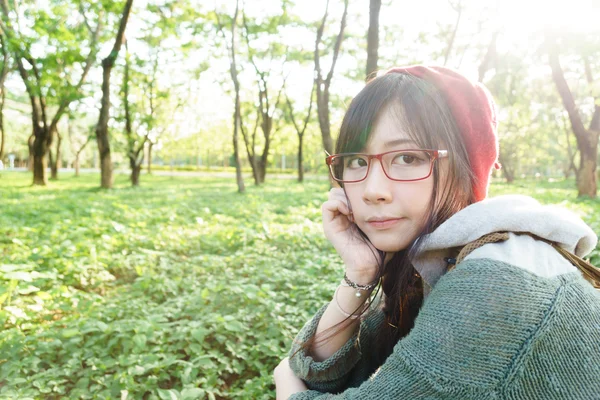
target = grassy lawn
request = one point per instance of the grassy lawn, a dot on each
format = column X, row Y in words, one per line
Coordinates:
column 179, row 289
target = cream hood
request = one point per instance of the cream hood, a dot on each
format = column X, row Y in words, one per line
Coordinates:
column 513, row 213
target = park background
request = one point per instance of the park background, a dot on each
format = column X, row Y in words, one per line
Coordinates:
column 163, row 170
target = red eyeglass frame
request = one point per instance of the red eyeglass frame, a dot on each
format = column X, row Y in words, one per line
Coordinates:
column 433, row 156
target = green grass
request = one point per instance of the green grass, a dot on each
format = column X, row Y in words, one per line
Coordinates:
column 181, row 288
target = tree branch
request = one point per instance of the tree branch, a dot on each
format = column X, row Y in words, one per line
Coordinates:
column 85, row 20
column 488, row 58
column 88, row 65
column 458, row 9
column 320, row 31
column 338, row 43
column 112, row 57
column 291, row 112
column 564, row 90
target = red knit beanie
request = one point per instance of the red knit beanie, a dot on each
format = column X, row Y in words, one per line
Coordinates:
column 475, row 113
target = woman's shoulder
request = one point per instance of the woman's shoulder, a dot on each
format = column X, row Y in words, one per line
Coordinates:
column 487, row 320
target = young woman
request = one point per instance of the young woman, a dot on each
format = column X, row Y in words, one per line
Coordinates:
column 509, row 316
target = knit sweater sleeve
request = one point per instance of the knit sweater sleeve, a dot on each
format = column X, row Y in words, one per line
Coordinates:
column 350, row 362
column 469, row 338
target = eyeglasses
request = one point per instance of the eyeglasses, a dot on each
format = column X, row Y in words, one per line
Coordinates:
column 398, row 165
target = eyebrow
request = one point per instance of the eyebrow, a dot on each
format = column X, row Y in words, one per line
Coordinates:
column 397, row 142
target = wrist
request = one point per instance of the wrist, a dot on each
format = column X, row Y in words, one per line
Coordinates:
column 349, row 304
column 362, row 278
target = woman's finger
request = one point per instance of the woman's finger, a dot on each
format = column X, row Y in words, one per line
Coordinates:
column 332, row 208
column 335, row 206
column 339, row 195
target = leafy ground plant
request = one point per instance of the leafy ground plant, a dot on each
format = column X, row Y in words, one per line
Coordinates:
column 179, row 289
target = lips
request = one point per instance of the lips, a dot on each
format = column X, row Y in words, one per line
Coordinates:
column 380, row 219
column 383, row 222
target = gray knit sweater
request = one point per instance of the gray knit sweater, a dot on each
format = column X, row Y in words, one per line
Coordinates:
column 495, row 327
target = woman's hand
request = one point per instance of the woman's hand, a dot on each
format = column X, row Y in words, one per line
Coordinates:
column 361, row 259
column 286, row 383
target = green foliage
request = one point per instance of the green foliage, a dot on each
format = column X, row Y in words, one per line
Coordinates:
column 181, row 289
column 157, row 291
column 55, row 45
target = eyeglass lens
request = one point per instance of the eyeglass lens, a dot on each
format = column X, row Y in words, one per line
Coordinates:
column 400, row 165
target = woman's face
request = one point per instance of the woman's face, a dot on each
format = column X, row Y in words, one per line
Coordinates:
column 403, row 204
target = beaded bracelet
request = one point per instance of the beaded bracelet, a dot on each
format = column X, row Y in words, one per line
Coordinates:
column 348, row 283
column 351, row 316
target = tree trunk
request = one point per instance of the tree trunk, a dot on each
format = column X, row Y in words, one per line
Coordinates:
column 237, row 115
column 59, row 163
column 2, row 136
column 254, row 168
column 586, row 174
column 135, row 175
column 51, row 163
column 76, row 165
column 507, row 169
column 323, row 84
column 136, row 168
column 570, row 164
column 236, row 127
column 250, row 152
column 41, row 138
column 300, row 159
column 324, row 125
column 373, row 38
column 78, row 152
column 56, row 164
column 508, row 175
column 250, row 146
column 30, row 147
column 40, row 152
column 40, row 162
column 262, row 162
column 2, row 133
column 3, row 74
column 106, row 179
column 587, row 139
column 262, row 171
column 106, row 166
column 266, row 126
column 588, row 153
column 149, row 166
column 135, row 162
column 300, row 132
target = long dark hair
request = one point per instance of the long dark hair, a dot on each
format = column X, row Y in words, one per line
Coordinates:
column 422, row 112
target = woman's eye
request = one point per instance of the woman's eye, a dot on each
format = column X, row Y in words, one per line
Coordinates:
column 356, row 162
column 407, row 159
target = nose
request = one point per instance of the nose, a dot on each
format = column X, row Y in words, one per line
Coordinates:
column 377, row 185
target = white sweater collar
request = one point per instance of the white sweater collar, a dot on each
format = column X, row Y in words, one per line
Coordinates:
column 513, row 213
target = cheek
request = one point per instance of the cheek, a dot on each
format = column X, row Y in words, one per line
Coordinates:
column 415, row 199
column 355, row 199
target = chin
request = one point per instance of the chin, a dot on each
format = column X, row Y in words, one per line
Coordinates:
column 389, row 246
